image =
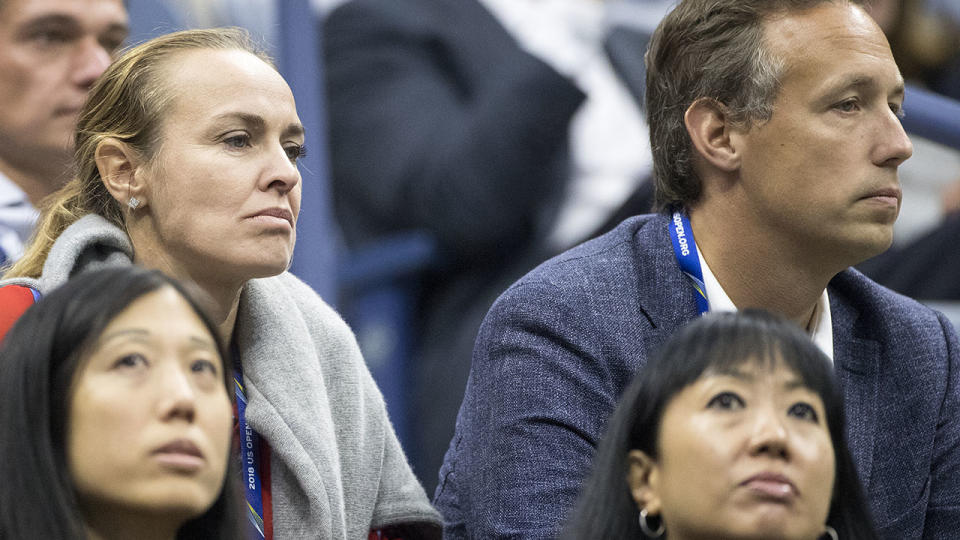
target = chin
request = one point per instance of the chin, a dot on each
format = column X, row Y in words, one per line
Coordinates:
column 859, row 243
column 261, row 262
column 265, row 269
column 188, row 500
column 874, row 244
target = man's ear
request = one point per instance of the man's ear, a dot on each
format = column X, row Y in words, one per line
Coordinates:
column 643, row 477
column 708, row 125
column 118, row 162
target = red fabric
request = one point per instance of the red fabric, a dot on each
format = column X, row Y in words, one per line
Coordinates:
column 265, row 489
column 14, row 300
column 383, row 534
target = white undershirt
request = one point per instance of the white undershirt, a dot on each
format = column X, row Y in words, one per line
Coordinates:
column 821, row 327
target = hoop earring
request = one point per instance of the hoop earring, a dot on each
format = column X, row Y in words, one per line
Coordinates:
column 831, row 532
column 133, row 203
column 645, row 527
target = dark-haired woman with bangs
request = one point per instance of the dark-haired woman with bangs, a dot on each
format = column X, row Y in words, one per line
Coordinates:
column 734, row 430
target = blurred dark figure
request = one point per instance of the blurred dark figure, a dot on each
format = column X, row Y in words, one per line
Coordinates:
column 502, row 130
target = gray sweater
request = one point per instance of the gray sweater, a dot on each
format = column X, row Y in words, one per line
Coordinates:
column 337, row 469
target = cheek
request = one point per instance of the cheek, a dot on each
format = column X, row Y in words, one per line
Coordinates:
column 220, row 423
column 101, row 436
column 295, row 197
column 822, row 466
column 691, row 455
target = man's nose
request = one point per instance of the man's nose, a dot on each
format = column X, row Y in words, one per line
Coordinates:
column 894, row 146
column 92, row 60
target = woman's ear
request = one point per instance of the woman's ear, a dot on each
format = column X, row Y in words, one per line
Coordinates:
column 643, row 477
column 118, row 162
column 708, row 125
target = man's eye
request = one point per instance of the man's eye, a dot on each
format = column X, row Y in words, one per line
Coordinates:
column 726, row 400
column 111, row 45
column 241, row 140
column 804, row 411
column 849, row 105
column 51, row 37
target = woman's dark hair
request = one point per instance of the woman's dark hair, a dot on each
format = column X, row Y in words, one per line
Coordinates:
column 716, row 343
column 38, row 360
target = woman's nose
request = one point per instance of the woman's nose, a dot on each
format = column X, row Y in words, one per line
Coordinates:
column 282, row 173
column 769, row 435
column 177, row 396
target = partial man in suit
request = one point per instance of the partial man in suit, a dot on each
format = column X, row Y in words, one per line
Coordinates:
column 51, row 52
column 776, row 139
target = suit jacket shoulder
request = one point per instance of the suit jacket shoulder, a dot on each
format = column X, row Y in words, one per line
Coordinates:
column 574, row 331
column 897, row 362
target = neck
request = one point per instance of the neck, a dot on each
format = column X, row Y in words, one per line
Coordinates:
column 221, row 296
column 757, row 268
column 120, row 525
column 37, row 180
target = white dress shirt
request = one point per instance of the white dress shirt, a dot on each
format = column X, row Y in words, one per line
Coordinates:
column 17, row 219
column 821, row 324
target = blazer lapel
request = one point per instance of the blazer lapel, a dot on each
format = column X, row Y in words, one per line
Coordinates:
column 857, row 364
column 664, row 293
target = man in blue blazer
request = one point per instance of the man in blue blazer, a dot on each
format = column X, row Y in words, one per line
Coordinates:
column 776, row 146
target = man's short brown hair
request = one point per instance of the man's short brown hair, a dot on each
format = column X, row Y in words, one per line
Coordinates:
column 713, row 49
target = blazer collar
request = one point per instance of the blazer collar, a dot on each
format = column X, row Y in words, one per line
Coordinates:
column 857, row 363
column 665, row 294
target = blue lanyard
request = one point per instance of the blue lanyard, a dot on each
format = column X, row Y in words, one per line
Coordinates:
column 686, row 251
column 250, row 460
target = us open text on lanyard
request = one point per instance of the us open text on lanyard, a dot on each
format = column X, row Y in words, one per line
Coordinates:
column 254, row 459
column 686, row 251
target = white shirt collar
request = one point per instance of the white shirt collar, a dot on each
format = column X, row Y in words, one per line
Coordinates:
column 821, row 330
column 17, row 218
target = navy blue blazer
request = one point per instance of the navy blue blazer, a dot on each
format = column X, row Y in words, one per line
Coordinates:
column 559, row 347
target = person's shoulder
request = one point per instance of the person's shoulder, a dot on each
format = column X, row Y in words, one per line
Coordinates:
column 288, row 293
column 887, row 312
column 15, row 299
column 609, row 257
column 618, row 277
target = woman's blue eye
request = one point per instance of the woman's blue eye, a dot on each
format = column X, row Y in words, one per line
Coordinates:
column 726, row 400
column 131, row 361
column 804, row 411
column 296, row 151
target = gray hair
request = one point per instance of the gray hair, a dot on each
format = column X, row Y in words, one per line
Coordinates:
column 709, row 49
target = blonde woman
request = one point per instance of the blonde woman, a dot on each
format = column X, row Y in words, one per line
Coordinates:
column 186, row 157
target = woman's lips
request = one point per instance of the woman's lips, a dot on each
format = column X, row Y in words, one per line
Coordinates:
column 277, row 216
column 180, row 455
column 771, row 486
